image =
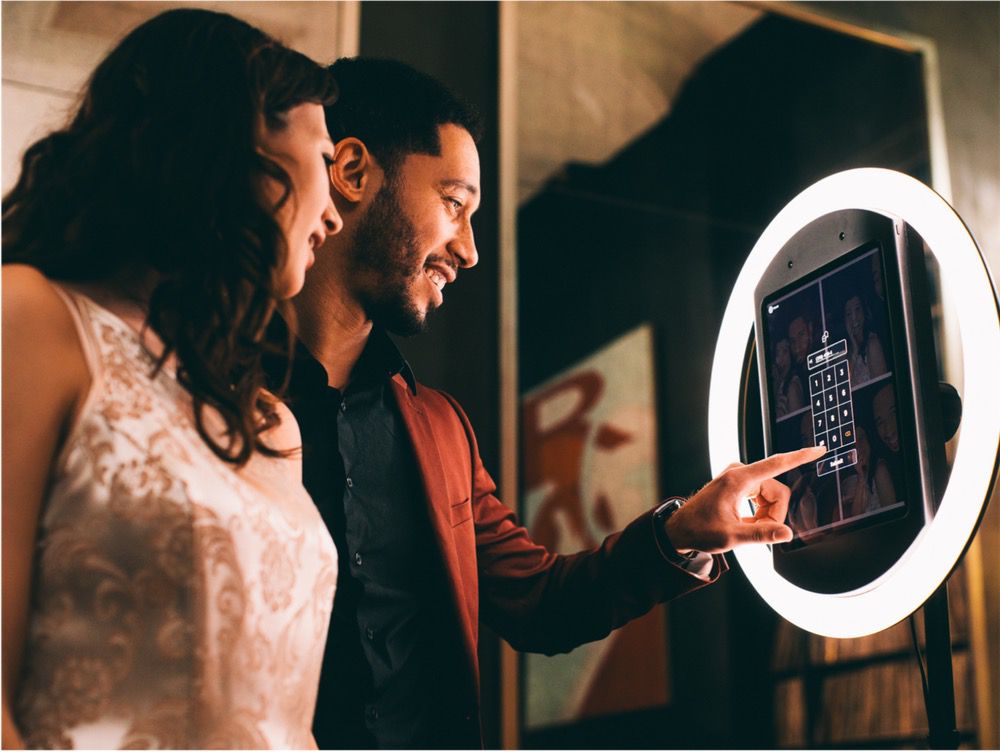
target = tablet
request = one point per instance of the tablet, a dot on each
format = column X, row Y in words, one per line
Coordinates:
column 841, row 358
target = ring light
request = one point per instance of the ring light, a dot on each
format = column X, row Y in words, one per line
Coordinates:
column 929, row 560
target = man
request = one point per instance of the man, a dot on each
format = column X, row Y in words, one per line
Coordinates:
column 800, row 340
column 425, row 548
column 800, row 337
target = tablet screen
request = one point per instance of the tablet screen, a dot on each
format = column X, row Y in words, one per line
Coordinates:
column 832, row 381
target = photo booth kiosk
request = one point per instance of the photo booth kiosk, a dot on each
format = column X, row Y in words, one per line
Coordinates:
column 832, row 311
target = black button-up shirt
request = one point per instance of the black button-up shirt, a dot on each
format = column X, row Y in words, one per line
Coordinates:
column 392, row 670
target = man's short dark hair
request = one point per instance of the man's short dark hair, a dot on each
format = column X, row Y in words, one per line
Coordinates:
column 394, row 109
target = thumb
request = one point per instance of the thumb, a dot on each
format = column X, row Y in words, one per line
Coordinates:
column 760, row 531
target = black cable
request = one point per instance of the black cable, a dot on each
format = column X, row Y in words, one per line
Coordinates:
column 923, row 670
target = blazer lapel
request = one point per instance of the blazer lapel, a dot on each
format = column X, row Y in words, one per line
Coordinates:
column 425, row 449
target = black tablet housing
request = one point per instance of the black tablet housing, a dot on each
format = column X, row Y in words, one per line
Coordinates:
column 846, row 358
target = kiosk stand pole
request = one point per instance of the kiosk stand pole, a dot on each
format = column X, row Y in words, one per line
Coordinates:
column 940, row 680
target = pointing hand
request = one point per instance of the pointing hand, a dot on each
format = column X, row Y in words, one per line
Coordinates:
column 710, row 521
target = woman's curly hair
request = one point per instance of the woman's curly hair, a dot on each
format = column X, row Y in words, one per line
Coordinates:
column 159, row 171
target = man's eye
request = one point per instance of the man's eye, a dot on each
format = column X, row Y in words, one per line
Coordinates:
column 453, row 202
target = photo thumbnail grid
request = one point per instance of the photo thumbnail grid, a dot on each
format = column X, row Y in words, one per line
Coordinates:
column 828, row 342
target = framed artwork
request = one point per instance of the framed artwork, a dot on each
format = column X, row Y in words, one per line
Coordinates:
column 589, row 468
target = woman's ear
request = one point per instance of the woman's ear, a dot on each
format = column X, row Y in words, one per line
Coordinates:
column 351, row 170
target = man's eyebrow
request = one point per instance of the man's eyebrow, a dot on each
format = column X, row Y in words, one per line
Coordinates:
column 462, row 184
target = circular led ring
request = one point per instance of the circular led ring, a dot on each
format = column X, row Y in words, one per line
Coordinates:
column 933, row 554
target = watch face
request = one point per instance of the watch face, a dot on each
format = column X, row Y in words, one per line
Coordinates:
column 660, row 517
column 667, row 508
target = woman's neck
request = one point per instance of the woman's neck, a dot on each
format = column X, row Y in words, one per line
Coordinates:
column 127, row 296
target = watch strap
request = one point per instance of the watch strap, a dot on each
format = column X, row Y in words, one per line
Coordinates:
column 660, row 517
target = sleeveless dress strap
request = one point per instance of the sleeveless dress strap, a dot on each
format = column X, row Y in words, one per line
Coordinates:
column 82, row 314
column 82, row 310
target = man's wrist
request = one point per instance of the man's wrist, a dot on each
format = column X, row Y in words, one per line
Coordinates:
column 661, row 522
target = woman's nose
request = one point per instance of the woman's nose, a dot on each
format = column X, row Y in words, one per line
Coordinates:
column 332, row 220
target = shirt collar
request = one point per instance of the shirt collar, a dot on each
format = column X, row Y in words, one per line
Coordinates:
column 380, row 359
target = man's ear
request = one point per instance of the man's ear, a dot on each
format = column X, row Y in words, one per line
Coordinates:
column 351, row 171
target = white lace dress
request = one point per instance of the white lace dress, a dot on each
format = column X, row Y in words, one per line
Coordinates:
column 176, row 601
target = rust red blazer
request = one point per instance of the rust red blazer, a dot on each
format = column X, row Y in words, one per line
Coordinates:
column 536, row 600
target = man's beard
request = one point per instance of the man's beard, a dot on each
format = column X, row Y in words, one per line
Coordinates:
column 384, row 265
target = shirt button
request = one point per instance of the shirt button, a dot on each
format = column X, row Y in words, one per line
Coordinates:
column 357, row 558
column 350, row 483
column 370, row 633
column 343, row 406
column 372, row 713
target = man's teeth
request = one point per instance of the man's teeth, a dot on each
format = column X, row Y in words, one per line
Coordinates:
column 437, row 278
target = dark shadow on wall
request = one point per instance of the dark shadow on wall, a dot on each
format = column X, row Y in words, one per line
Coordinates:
column 659, row 233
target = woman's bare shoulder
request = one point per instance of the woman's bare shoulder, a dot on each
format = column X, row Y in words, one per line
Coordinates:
column 45, row 370
column 26, row 286
column 36, row 315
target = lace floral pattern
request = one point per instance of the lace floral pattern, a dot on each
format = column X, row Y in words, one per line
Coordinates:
column 176, row 602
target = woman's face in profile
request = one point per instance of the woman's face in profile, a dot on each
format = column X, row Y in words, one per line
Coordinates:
column 302, row 148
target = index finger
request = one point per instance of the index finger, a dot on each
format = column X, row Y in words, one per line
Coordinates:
column 777, row 464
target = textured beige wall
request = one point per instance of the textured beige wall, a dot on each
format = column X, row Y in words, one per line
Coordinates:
column 601, row 74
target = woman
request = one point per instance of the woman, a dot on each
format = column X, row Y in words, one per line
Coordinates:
column 864, row 349
column 167, row 580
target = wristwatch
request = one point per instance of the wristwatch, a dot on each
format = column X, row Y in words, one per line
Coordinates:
column 660, row 517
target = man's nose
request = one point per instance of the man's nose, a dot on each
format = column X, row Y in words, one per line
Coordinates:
column 463, row 247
